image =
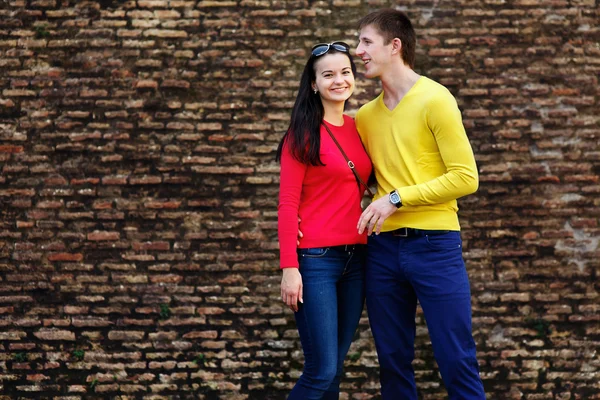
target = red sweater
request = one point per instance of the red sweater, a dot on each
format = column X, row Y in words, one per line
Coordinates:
column 326, row 198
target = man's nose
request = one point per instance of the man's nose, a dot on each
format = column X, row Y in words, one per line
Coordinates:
column 358, row 50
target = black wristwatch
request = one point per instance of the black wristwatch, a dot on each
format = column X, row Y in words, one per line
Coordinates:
column 395, row 198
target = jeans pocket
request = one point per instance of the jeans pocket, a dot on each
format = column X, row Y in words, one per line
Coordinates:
column 314, row 252
column 447, row 241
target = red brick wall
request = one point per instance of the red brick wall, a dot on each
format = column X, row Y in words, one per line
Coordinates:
column 138, row 193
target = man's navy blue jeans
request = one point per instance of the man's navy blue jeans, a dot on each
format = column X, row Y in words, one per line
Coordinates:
column 430, row 269
column 334, row 295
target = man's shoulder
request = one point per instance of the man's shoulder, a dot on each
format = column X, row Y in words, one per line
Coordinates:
column 432, row 85
column 434, row 88
column 369, row 106
column 433, row 95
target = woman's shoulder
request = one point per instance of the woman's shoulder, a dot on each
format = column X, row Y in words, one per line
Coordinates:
column 349, row 121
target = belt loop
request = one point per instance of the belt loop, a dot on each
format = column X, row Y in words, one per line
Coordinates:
column 402, row 232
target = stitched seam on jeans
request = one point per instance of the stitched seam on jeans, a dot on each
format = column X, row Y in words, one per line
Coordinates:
column 347, row 263
column 316, row 255
column 437, row 246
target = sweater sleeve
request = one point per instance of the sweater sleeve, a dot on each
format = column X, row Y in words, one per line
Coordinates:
column 290, row 189
column 461, row 177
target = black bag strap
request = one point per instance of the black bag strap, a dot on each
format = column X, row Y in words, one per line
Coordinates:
column 359, row 181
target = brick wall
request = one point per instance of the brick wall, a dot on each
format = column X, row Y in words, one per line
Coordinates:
column 138, row 193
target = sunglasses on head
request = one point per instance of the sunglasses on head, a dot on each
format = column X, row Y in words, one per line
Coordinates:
column 322, row 48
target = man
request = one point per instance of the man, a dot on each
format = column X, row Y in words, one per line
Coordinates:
column 423, row 162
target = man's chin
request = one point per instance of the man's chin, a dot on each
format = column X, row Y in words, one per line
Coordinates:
column 370, row 74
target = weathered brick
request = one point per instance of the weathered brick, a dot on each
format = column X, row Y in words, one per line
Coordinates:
column 65, row 257
column 103, row 236
column 12, row 335
column 126, row 335
column 54, row 334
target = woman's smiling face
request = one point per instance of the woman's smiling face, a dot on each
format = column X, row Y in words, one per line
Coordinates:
column 334, row 78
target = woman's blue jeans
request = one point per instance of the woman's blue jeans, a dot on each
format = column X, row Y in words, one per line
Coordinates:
column 334, row 295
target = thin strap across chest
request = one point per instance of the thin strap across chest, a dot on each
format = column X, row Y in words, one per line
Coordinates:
column 359, row 181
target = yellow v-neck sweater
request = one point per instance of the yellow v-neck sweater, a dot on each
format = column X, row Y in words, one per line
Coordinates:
column 421, row 149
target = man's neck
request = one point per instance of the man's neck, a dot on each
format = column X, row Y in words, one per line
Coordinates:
column 396, row 82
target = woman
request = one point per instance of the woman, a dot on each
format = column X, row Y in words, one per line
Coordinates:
column 323, row 270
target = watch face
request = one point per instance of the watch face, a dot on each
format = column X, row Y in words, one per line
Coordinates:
column 394, row 198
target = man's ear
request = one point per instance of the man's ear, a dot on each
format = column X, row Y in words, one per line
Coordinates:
column 396, row 46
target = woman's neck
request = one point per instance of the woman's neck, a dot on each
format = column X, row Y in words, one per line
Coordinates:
column 334, row 113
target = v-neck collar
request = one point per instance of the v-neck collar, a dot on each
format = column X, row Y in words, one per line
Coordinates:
column 412, row 88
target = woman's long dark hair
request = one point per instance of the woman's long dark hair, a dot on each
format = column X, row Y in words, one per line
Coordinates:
column 304, row 130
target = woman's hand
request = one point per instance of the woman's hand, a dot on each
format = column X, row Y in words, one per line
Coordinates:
column 291, row 288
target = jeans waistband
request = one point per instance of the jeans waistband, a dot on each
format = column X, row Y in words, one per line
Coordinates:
column 348, row 247
column 412, row 232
